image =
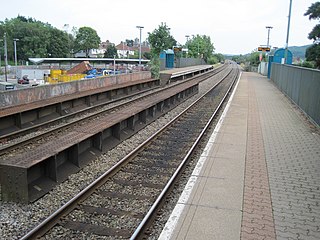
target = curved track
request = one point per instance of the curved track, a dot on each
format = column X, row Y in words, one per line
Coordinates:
column 122, row 201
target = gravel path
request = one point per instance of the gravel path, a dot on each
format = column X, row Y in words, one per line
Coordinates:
column 17, row 219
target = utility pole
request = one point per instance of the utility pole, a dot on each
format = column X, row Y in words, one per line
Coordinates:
column 5, row 56
column 114, row 64
column 140, row 27
column 269, row 28
column 0, row 53
column 288, row 30
column 187, row 36
column 15, row 52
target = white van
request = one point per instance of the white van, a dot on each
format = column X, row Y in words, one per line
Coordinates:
column 4, row 86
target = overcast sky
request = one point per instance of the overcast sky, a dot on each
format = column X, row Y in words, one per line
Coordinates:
column 235, row 26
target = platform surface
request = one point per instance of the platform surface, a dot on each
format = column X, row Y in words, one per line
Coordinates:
column 186, row 69
column 259, row 176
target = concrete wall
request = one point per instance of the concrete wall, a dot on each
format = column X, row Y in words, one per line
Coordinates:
column 27, row 95
column 302, row 85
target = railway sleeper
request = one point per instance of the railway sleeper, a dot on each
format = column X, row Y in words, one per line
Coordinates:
column 96, row 229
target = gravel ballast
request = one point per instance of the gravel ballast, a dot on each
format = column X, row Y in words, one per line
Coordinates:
column 17, row 219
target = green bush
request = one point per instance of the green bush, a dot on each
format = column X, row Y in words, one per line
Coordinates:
column 155, row 67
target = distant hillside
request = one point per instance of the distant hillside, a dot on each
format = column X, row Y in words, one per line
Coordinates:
column 299, row 52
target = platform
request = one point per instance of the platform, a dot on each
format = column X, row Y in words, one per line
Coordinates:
column 174, row 74
column 258, row 177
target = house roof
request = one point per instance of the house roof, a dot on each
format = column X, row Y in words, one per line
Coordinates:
column 123, row 46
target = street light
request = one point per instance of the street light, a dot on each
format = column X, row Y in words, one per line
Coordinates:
column 5, row 56
column 288, row 29
column 269, row 28
column 140, row 27
column 187, row 36
column 15, row 52
column 0, row 54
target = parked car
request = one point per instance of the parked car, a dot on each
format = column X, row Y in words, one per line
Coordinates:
column 24, row 80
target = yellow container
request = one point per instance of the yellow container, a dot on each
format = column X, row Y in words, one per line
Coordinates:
column 51, row 80
column 55, row 72
column 63, row 78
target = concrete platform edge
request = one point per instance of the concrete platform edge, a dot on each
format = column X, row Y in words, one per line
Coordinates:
column 183, row 199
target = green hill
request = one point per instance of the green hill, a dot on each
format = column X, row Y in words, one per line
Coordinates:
column 299, row 52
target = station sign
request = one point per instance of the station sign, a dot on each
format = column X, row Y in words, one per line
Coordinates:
column 177, row 49
column 263, row 49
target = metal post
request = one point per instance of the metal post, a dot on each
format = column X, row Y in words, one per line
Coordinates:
column 0, row 58
column 15, row 53
column 288, row 30
column 114, row 64
column 269, row 28
column 5, row 56
column 187, row 36
column 140, row 27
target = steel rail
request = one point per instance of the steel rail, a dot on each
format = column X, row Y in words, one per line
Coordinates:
column 90, row 108
column 164, row 192
column 55, row 217
column 6, row 148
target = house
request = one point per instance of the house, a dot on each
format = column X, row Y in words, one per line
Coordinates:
column 123, row 50
column 95, row 53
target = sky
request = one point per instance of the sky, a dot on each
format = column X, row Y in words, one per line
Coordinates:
column 234, row 26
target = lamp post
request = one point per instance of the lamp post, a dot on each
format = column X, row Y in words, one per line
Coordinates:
column 0, row 53
column 114, row 64
column 187, row 36
column 140, row 27
column 269, row 28
column 288, row 30
column 5, row 56
column 15, row 52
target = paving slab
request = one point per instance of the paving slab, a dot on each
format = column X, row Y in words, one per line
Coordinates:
column 211, row 205
column 258, row 177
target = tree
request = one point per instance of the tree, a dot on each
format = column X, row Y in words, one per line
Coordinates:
column 129, row 43
column 313, row 52
column 36, row 39
column 86, row 39
column 160, row 39
column 201, row 46
column 57, row 44
column 147, row 55
column 254, row 58
column 111, row 52
column 219, row 56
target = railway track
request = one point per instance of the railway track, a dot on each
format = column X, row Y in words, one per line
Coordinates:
column 49, row 130
column 90, row 110
column 121, row 202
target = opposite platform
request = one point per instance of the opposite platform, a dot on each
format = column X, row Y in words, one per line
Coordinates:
column 258, row 177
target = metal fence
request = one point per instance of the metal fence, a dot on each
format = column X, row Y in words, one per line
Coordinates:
column 301, row 85
column 187, row 62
